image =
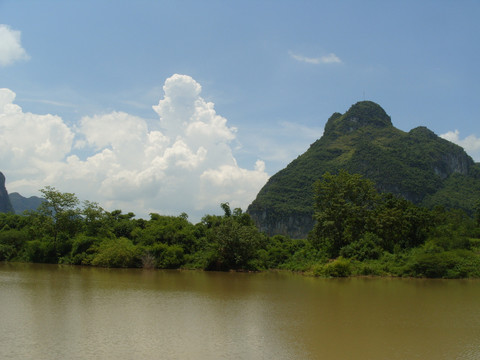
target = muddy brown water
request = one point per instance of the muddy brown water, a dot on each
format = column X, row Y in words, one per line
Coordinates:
column 67, row 312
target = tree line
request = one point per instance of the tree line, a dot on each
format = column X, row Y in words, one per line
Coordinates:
column 358, row 231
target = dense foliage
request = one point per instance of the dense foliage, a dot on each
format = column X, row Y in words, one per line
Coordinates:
column 358, row 231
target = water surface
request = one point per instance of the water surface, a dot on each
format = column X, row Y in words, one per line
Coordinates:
column 60, row 312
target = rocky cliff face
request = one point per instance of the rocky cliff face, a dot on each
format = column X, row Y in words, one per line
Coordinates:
column 5, row 205
column 296, row 225
column 416, row 165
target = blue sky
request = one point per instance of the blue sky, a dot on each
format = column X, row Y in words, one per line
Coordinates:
column 260, row 78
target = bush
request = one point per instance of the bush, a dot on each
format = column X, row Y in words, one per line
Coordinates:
column 201, row 259
column 40, row 251
column 119, row 252
column 7, row 252
column 448, row 264
column 11, row 242
column 304, row 258
column 172, row 257
column 365, row 248
column 82, row 251
column 15, row 238
column 338, row 268
column 370, row 269
column 167, row 256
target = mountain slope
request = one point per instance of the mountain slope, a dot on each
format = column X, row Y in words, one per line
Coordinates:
column 417, row 165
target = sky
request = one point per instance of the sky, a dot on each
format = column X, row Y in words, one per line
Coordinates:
column 178, row 106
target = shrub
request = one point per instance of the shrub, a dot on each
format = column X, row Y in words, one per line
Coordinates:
column 167, row 256
column 11, row 241
column 40, row 251
column 449, row 264
column 303, row 258
column 7, row 252
column 119, row 252
column 365, row 248
column 338, row 268
column 82, row 252
column 172, row 257
column 15, row 238
column 370, row 269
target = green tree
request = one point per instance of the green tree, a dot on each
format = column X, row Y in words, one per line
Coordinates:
column 122, row 224
column 235, row 245
column 95, row 220
column 226, row 208
column 477, row 213
column 399, row 222
column 233, row 240
column 344, row 208
column 62, row 209
column 170, row 230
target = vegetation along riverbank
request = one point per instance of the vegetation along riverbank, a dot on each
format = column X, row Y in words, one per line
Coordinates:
column 358, row 231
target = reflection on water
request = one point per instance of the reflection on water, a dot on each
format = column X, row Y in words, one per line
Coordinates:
column 53, row 312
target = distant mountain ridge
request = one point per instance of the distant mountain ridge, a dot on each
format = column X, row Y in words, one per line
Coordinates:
column 418, row 165
column 21, row 203
column 14, row 202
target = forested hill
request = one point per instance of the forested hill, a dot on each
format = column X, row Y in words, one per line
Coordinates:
column 418, row 165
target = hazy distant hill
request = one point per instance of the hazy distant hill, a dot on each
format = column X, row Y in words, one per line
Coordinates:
column 417, row 165
column 21, row 203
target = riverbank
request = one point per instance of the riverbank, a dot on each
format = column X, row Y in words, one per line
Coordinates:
column 435, row 243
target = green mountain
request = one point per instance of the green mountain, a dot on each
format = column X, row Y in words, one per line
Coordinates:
column 418, row 165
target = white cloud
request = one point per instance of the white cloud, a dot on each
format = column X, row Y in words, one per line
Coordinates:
column 28, row 138
column 471, row 143
column 11, row 48
column 223, row 182
column 187, row 166
column 327, row 59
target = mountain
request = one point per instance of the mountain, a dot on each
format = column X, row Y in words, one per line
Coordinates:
column 21, row 203
column 418, row 165
column 5, row 205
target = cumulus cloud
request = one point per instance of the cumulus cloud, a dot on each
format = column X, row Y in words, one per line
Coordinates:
column 327, row 59
column 186, row 166
column 11, row 49
column 471, row 143
column 28, row 138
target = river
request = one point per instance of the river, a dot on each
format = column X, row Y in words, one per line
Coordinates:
column 68, row 312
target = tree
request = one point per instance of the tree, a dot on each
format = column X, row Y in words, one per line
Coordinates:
column 234, row 240
column 344, row 205
column 477, row 212
column 226, row 208
column 399, row 222
column 122, row 224
column 235, row 245
column 95, row 220
column 62, row 209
